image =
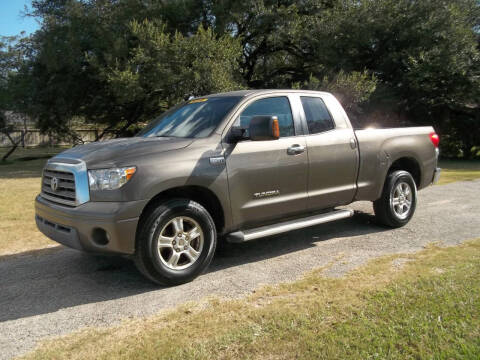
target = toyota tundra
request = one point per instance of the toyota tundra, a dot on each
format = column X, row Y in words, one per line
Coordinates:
column 232, row 167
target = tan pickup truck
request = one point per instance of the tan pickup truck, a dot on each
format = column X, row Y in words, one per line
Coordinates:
column 231, row 167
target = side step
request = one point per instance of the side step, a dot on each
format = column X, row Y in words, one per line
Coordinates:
column 269, row 230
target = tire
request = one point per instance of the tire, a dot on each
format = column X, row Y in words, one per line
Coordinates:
column 168, row 252
column 398, row 201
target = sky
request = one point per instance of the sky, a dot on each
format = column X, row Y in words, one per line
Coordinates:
column 11, row 22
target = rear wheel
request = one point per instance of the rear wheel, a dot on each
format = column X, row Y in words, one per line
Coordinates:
column 397, row 204
column 176, row 242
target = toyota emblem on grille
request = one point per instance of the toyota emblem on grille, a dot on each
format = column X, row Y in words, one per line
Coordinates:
column 54, row 183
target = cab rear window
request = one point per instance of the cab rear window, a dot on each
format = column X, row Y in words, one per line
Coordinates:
column 318, row 118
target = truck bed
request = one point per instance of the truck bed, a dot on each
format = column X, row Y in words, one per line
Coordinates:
column 380, row 148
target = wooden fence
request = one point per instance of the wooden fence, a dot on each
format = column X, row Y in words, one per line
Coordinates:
column 35, row 138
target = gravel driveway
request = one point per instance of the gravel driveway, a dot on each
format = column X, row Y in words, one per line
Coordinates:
column 64, row 290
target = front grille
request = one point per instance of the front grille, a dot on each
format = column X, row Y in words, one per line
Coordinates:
column 65, row 190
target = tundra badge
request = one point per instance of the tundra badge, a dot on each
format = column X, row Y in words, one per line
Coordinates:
column 266, row 194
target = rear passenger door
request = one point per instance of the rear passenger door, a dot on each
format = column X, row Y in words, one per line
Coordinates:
column 332, row 154
column 267, row 179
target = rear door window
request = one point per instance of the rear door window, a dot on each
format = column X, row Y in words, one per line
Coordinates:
column 317, row 115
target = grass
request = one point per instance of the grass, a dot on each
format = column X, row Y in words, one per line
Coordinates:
column 20, row 183
column 20, row 180
column 457, row 170
column 427, row 309
column 26, row 163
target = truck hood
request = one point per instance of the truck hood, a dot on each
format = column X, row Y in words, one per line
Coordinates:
column 118, row 152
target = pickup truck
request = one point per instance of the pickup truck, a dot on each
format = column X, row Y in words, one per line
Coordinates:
column 232, row 167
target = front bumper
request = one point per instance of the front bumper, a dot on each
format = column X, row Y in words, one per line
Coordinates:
column 78, row 227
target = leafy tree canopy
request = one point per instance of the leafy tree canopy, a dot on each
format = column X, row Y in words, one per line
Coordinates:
column 120, row 62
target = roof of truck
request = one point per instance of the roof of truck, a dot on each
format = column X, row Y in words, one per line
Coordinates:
column 243, row 93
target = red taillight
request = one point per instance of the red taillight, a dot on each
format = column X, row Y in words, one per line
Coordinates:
column 434, row 139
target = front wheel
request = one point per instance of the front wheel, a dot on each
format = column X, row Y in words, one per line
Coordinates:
column 397, row 204
column 175, row 242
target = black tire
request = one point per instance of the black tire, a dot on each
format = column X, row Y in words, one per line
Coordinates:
column 147, row 255
column 385, row 212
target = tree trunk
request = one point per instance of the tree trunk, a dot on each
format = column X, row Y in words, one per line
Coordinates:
column 22, row 138
column 467, row 150
column 14, row 144
column 12, row 149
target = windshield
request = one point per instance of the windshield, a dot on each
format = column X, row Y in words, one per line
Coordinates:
column 196, row 118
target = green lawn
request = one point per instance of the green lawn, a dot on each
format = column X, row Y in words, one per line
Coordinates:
column 427, row 308
column 20, row 179
column 457, row 170
column 26, row 163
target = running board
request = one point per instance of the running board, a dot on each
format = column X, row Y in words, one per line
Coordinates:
column 269, row 230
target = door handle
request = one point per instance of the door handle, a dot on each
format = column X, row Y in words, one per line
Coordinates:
column 295, row 149
column 353, row 143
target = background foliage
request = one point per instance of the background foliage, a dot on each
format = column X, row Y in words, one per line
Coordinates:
column 118, row 63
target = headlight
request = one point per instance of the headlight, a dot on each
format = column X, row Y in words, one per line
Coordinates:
column 109, row 179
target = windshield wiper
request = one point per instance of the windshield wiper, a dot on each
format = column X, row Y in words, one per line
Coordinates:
column 169, row 136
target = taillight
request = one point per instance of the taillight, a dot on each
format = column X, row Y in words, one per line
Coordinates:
column 434, row 139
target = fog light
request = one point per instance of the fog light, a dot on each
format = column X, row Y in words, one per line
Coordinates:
column 100, row 236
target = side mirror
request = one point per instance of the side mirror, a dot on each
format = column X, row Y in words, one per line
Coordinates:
column 264, row 127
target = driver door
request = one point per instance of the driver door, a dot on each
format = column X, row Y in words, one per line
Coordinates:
column 268, row 179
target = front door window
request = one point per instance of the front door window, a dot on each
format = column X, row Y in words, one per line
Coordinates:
column 274, row 106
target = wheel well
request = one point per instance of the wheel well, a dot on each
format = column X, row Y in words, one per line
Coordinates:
column 201, row 195
column 410, row 165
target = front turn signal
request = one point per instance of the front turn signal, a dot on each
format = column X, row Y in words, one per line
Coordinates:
column 275, row 128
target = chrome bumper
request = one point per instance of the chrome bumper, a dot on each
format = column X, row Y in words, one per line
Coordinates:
column 436, row 175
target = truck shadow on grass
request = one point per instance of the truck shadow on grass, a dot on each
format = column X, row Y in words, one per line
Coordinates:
column 40, row 284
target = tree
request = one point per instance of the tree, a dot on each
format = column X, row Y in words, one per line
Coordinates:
column 353, row 90
column 119, row 62
column 105, row 62
column 14, row 51
column 424, row 54
column 162, row 69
